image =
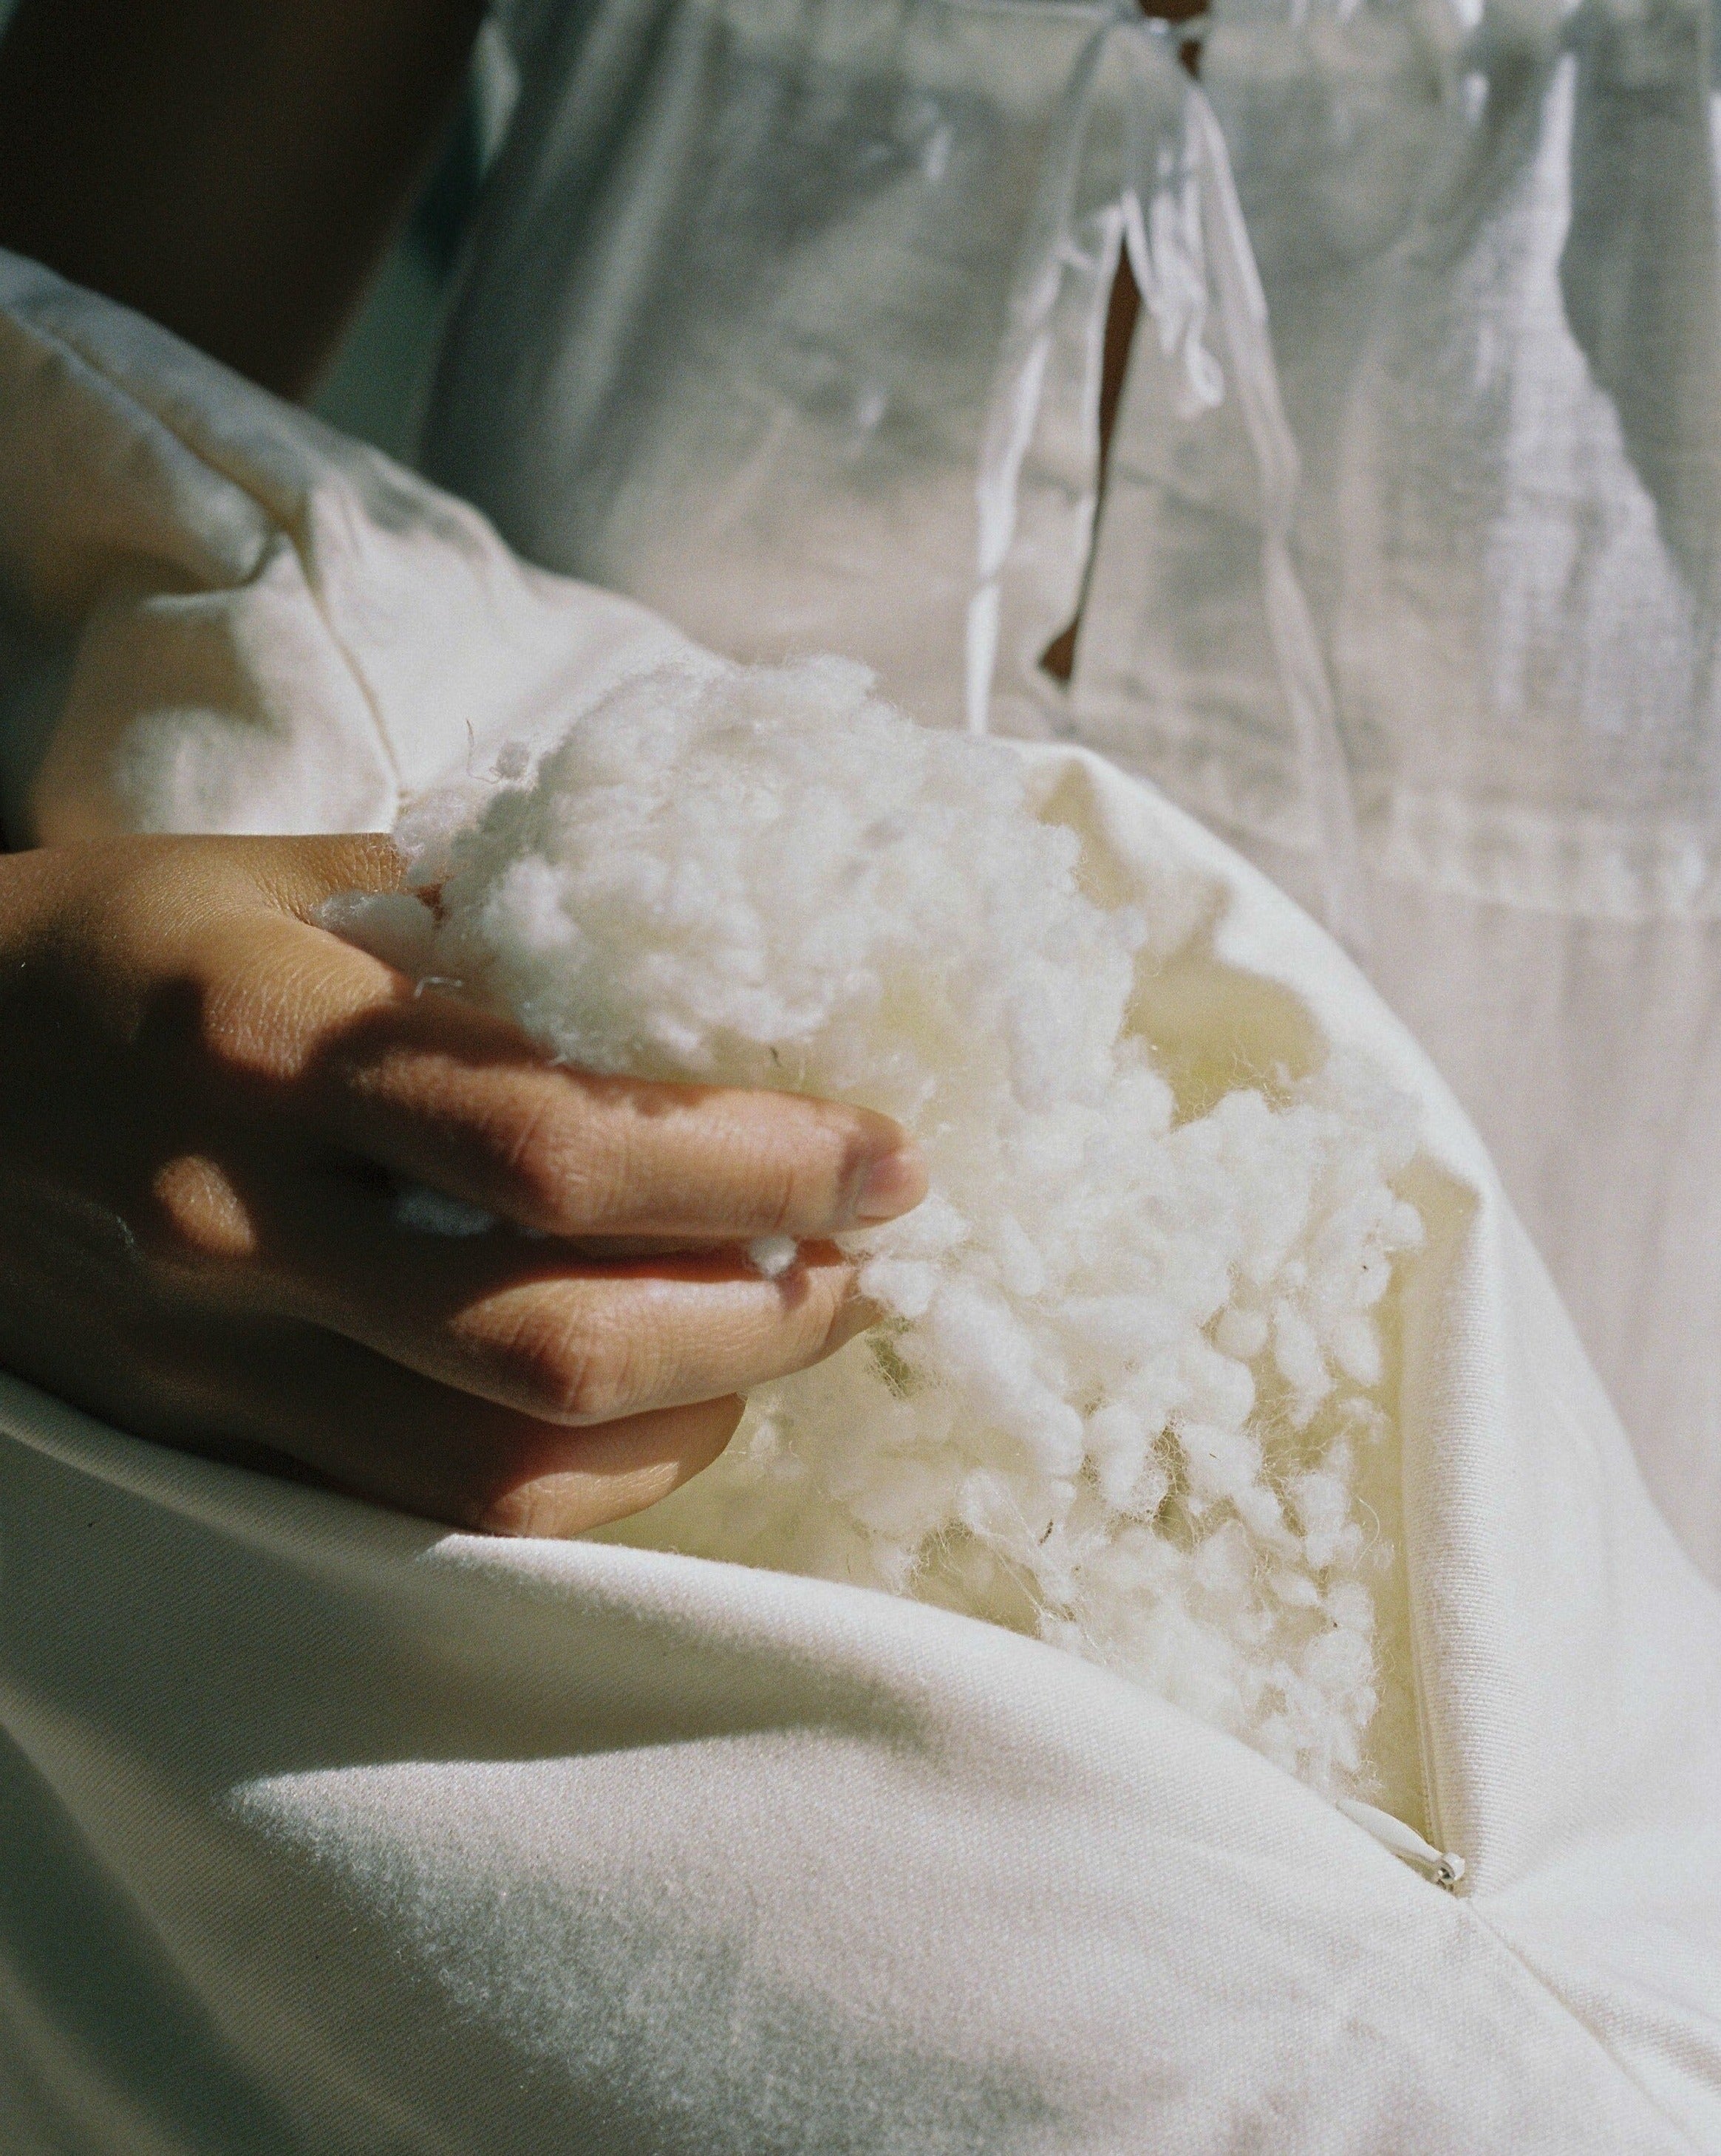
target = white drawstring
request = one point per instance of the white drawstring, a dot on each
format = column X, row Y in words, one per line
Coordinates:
column 1189, row 249
column 1303, row 671
column 1021, row 374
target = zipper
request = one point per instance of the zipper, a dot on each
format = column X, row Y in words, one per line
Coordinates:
column 1444, row 1867
column 1450, row 1867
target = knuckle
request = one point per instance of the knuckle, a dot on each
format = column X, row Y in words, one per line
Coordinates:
column 253, row 1023
column 791, row 1189
column 510, row 1511
column 604, row 1385
column 817, row 1176
column 572, row 1371
column 531, row 1147
column 495, row 1499
column 774, row 1181
column 548, row 1162
column 200, row 1214
column 244, row 1027
column 598, row 1190
column 264, row 988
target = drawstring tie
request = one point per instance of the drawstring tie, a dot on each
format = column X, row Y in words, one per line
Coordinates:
column 1189, row 249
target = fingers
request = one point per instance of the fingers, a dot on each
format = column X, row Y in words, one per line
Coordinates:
column 594, row 1345
column 275, row 1396
column 444, row 1096
column 540, row 1327
column 617, row 1469
column 442, row 1093
column 534, row 1326
column 215, row 1058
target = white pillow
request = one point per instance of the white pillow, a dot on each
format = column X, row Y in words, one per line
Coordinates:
column 320, row 1827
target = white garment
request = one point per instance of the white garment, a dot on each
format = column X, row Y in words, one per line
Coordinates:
column 784, row 317
column 319, row 1827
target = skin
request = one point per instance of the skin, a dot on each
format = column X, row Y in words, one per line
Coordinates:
column 207, row 1105
column 233, row 168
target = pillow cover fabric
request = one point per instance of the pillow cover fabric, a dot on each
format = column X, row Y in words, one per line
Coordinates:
column 320, row 1826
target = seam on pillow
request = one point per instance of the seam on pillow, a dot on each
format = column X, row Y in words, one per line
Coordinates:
column 1571, row 2014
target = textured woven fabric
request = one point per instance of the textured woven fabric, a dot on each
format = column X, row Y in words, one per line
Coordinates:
column 321, row 1828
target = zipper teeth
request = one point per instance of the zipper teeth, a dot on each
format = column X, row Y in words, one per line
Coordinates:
column 1425, row 1739
column 1432, row 1810
column 1413, row 1628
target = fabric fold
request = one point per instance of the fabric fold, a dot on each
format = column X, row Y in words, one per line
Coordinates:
column 408, row 1840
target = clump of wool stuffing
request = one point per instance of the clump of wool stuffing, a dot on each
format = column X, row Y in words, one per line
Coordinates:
column 1130, row 1366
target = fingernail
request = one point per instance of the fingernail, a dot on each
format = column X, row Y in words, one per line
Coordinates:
column 893, row 1183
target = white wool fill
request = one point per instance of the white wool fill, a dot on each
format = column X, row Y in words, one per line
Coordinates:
column 1130, row 1380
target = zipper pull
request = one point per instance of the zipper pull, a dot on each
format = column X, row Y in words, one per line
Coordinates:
column 1443, row 1867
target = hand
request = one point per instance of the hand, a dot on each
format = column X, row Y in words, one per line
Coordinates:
column 208, row 1110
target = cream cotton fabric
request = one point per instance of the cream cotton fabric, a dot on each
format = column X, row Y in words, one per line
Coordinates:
column 321, row 1828
column 213, row 621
